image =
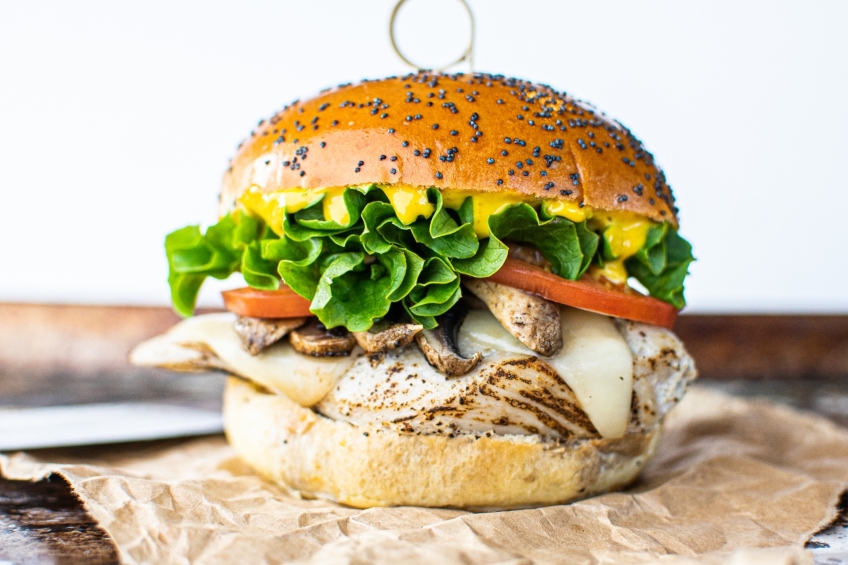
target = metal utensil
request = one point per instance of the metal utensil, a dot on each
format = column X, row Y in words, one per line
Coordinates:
column 93, row 424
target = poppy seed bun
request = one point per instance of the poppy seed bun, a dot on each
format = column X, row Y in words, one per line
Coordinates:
column 325, row 458
column 453, row 132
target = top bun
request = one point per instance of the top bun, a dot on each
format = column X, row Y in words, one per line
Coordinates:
column 482, row 133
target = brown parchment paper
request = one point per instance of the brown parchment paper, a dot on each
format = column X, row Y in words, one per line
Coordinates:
column 733, row 482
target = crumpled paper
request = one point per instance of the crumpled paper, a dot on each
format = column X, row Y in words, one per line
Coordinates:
column 733, row 482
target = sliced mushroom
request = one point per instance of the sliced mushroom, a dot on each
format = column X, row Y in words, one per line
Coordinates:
column 532, row 319
column 386, row 336
column 257, row 333
column 439, row 345
column 316, row 340
column 528, row 255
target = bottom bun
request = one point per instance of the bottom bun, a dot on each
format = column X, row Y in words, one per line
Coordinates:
column 362, row 467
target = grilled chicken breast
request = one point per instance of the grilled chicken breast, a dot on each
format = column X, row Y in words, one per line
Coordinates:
column 509, row 392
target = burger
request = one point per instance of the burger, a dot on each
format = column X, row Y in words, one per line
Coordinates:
column 459, row 292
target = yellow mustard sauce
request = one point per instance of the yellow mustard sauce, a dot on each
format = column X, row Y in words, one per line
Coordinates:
column 624, row 232
column 483, row 206
column 409, row 202
column 272, row 206
column 334, row 206
column 297, row 200
column 568, row 210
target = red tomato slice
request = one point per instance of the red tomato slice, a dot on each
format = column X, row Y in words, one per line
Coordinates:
column 283, row 303
column 586, row 294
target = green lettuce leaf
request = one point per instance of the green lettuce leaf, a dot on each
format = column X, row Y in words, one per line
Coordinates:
column 442, row 234
column 219, row 252
column 662, row 264
column 296, row 262
column 354, row 273
column 568, row 246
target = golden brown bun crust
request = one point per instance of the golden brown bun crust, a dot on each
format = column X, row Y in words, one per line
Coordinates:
column 380, row 131
column 329, row 459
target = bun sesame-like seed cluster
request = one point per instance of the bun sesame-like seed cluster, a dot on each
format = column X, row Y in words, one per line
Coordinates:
column 478, row 132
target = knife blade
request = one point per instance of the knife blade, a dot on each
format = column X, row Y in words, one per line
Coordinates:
column 94, row 424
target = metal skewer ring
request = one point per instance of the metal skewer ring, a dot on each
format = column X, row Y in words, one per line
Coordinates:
column 467, row 55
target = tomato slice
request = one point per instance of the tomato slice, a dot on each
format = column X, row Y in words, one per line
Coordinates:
column 282, row 303
column 586, row 294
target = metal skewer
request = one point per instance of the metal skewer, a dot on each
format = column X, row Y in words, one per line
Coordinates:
column 467, row 55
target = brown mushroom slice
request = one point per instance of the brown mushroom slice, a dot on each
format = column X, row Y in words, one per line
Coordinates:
column 258, row 333
column 531, row 319
column 528, row 255
column 439, row 345
column 386, row 336
column 316, row 340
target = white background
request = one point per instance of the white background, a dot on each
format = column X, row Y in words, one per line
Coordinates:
column 117, row 120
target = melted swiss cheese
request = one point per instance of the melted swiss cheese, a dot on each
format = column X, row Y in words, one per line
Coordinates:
column 280, row 368
column 594, row 361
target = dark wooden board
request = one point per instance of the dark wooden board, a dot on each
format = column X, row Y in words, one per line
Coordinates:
column 767, row 347
column 44, row 522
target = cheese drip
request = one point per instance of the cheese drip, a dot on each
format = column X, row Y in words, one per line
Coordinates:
column 304, row 379
column 594, row 361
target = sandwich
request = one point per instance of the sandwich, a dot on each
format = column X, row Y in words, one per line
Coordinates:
column 459, row 291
